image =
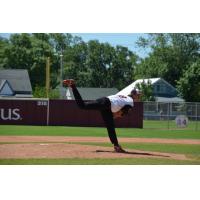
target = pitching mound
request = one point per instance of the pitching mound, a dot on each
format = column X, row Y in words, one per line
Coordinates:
column 45, row 149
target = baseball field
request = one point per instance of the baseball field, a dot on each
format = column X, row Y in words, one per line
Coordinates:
column 60, row 145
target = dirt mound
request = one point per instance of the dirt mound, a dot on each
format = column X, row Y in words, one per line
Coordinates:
column 25, row 148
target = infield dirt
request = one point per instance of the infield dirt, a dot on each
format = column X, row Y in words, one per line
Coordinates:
column 62, row 147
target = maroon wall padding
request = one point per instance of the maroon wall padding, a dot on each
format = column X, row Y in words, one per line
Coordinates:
column 61, row 112
column 27, row 112
column 64, row 112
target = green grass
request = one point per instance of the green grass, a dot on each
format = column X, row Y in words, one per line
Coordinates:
column 50, row 130
column 97, row 132
column 189, row 149
column 169, row 124
column 98, row 161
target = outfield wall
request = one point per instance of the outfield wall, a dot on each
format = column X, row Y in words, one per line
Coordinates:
column 59, row 112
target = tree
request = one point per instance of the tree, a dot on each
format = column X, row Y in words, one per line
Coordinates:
column 41, row 49
column 96, row 64
column 122, row 68
column 171, row 57
column 146, row 90
column 18, row 52
column 30, row 51
column 91, row 64
column 99, row 62
column 3, row 45
column 75, row 67
column 189, row 83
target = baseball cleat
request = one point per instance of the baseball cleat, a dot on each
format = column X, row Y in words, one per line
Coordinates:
column 118, row 149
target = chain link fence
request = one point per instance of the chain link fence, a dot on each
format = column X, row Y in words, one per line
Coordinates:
column 172, row 115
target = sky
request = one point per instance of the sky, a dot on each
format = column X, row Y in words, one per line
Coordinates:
column 124, row 39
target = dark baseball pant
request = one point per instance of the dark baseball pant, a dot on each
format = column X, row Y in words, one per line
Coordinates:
column 104, row 106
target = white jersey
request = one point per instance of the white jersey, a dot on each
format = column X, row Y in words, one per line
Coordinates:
column 119, row 101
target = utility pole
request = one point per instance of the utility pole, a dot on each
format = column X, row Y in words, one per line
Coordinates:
column 47, row 76
column 61, row 72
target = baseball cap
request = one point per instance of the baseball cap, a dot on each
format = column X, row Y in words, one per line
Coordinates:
column 135, row 92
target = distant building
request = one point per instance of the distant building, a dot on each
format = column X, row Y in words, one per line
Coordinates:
column 88, row 93
column 15, row 83
column 162, row 90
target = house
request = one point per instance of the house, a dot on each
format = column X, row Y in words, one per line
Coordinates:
column 88, row 93
column 15, row 83
column 162, row 90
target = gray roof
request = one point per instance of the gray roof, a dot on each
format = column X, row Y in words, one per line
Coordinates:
column 18, row 79
column 169, row 100
column 89, row 93
column 152, row 81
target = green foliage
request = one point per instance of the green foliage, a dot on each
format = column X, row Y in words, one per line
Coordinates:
column 18, row 52
column 123, row 66
column 99, row 65
column 189, row 83
column 146, row 90
column 3, row 45
column 30, row 51
column 91, row 64
column 54, row 94
column 40, row 92
column 173, row 57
